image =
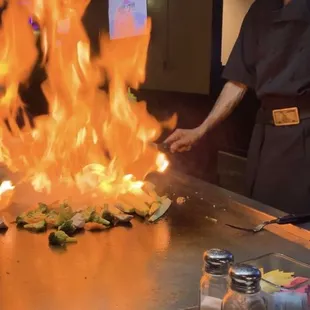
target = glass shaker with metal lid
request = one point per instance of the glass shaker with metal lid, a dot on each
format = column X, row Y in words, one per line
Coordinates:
column 214, row 282
column 245, row 291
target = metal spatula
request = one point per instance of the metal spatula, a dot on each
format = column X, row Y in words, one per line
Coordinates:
column 287, row 219
column 162, row 147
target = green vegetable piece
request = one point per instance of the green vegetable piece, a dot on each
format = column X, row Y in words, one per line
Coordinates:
column 30, row 217
column 36, row 227
column 43, row 208
column 106, row 214
column 66, row 211
column 60, row 238
column 96, row 218
column 21, row 219
column 65, row 214
column 67, row 227
column 88, row 213
column 42, row 213
column 52, row 218
column 166, row 203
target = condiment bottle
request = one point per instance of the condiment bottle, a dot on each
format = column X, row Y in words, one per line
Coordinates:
column 214, row 282
column 245, row 291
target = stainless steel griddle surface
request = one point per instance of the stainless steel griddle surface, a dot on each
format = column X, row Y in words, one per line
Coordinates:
column 146, row 267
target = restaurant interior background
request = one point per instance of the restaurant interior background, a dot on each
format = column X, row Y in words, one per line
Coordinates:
column 190, row 44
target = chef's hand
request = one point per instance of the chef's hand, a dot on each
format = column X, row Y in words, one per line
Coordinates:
column 183, row 139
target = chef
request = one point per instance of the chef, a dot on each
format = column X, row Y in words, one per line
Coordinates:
column 272, row 56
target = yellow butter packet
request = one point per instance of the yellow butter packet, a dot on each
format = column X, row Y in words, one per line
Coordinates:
column 276, row 277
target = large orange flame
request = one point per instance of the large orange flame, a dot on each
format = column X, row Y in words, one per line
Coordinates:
column 90, row 139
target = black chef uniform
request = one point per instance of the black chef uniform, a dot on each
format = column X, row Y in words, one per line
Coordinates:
column 272, row 56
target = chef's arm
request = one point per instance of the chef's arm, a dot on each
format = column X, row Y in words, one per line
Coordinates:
column 182, row 139
column 228, row 100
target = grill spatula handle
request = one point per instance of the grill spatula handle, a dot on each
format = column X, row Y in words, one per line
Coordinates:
column 293, row 219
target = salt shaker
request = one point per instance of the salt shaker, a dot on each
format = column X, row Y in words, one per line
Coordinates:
column 244, row 292
column 214, row 282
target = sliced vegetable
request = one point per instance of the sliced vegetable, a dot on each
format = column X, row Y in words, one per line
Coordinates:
column 65, row 214
column 88, row 213
column 43, row 207
column 139, row 202
column 96, row 218
column 52, row 219
column 143, row 212
column 149, row 188
column 67, row 227
column 78, row 220
column 36, row 227
column 155, row 206
column 165, row 204
column 92, row 218
column 126, row 208
column 30, row 217
column 91, row 226
column 60, row 238
column 123, row 218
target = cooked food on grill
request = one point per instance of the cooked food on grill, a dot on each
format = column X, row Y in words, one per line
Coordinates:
column 33, row 216
column 92, row 226
column 36, row 227
column 181, row 200
column 68, row 227
column 60, row 238
column 68, row 222
column 162, row 209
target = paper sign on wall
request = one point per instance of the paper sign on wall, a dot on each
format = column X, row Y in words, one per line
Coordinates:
column 127, row 18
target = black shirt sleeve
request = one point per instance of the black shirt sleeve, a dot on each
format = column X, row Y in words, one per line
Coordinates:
column 241, row 63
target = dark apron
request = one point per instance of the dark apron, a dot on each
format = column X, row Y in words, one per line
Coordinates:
column 278, row 172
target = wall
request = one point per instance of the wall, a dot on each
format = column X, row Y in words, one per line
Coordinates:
column 233, row 14
column 179, row 59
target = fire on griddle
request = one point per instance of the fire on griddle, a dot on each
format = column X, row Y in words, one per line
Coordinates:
column 94, row 145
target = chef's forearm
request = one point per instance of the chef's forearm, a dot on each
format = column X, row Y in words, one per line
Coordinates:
column 229, row 98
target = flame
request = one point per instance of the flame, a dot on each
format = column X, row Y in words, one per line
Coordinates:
column 6, row 186
column 6, row 194
column 91, row 139
column 162, row 162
